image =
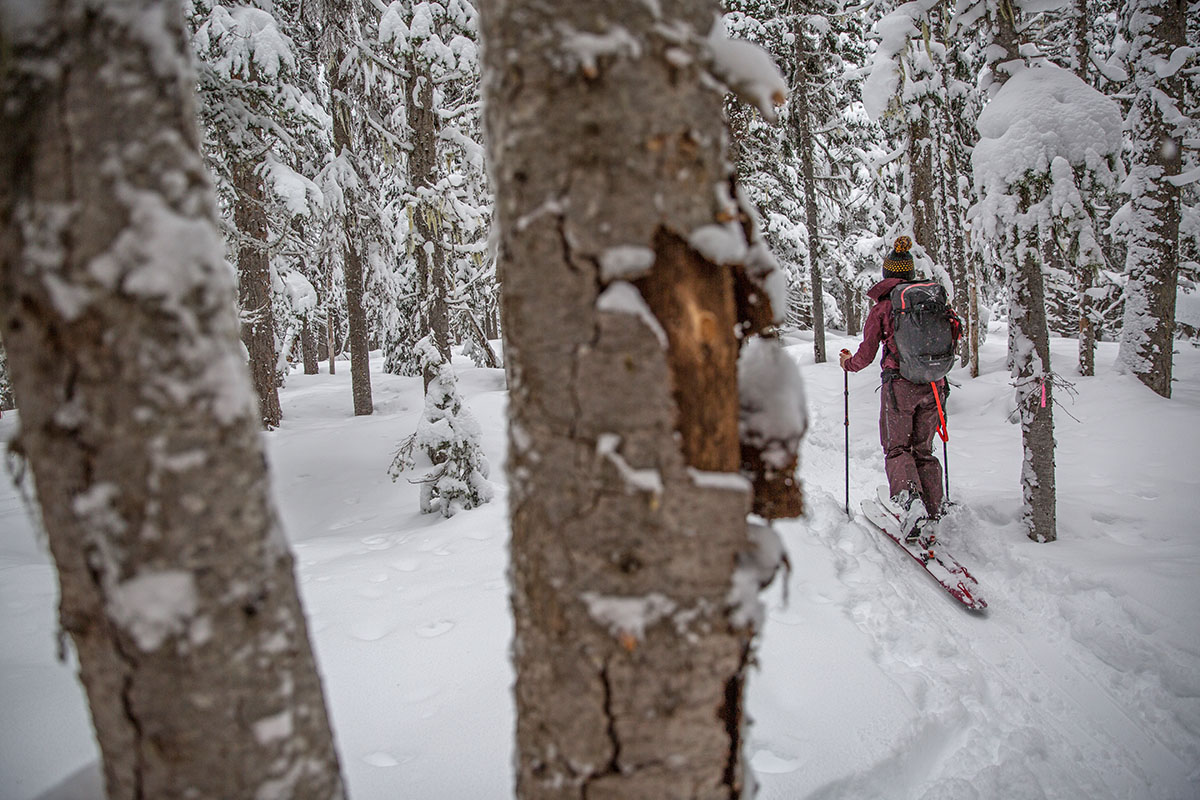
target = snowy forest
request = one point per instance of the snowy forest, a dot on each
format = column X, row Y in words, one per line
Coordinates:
column 438, row 399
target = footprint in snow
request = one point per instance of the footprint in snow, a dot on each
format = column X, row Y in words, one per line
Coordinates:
column 769, row 763
column 370, row 630
column 381, row 759
column 435, row 629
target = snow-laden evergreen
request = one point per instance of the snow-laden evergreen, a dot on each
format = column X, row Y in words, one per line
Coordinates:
column 1042, row 136
column 449, row 437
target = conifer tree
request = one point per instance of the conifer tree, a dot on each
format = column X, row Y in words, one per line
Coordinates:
column 257, row 122
column 1044, row 135
column 449, row 436
column 345, row 178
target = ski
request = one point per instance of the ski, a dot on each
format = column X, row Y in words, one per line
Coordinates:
column 953, row 576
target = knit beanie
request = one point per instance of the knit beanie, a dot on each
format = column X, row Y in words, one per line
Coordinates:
column 899, row 262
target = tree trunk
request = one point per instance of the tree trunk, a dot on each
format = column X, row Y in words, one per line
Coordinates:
column 1084, row 279
column 353, row 269
column 922, row 184
column 1155, row 28
column 630, row 664
column 1030, row 354
column 973, row 332
column 1081, row 21
column 853, row 309
column 422, row 174
column 1006, row 44
column 308, row 346
column 254, row 290
column 138, row 418
column 802, row 116
column 954, row 248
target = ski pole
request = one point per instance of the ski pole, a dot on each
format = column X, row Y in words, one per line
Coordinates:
column 846, row 386
column 946, row 468
column 943, row 431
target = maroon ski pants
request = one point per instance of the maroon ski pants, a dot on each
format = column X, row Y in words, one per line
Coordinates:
column 908, row 420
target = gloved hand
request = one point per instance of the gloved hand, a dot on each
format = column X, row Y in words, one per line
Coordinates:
column 844, row 356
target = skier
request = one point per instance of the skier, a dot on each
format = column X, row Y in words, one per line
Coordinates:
column 908, row 412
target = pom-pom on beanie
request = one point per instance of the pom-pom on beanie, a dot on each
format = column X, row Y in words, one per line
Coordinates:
column 899, row 262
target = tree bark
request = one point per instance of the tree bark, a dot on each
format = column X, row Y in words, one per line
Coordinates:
column 353, row 268
column 1152, row 261
column 1084, row 279
column 422, row 174
column 802, row 117
column 138, row 417
column 922, row 184
column 627, row 517
column 254, row 290
column 308, row 346
column 1035, row 391
column 973, row 332
column 1081, row 20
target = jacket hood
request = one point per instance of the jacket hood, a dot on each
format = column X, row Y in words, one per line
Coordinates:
column 879, row 290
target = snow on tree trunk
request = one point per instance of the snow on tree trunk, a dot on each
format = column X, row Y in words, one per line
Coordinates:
column 626, row 269
column 139, row 419
column 254, row 290
column 1154, row 29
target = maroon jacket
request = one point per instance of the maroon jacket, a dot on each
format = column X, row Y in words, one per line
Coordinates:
column 878, row 329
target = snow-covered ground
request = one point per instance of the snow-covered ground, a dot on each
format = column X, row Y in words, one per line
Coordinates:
column 1081, row 681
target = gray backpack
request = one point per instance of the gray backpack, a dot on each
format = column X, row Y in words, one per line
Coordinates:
column 926, row 331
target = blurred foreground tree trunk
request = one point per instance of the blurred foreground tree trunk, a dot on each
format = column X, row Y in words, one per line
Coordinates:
column 630, row 276
column 138, row 416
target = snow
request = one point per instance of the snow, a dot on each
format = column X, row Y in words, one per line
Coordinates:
column 748, row 70
column 628, row 616
column 153, row 605
column 622, row 297
column 301, row 294
column 1042, row 112
column 1081, row 681
column 720, row 244
column 625, row 261
column 883, row 83
column 585, row 49
column 642, row 480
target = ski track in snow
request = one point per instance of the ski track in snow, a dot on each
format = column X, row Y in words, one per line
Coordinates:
column 1082, row 680
column 1062, row 689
